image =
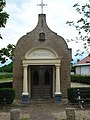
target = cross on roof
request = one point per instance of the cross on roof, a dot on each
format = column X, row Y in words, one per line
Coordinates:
column 42, row 5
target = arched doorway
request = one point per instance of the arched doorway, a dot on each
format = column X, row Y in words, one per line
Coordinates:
column 41, row 73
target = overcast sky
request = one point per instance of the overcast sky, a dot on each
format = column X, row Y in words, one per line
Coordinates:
column 24, row 17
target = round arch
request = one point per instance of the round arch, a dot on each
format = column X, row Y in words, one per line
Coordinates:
column 41, row 53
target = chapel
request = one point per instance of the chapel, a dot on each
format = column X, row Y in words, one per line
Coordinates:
column 41, row 65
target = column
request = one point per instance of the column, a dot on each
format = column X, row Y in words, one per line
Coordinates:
column 57, row 79
column 25, row 94
column 57, row 92
column 25, row 81
column 29, row 82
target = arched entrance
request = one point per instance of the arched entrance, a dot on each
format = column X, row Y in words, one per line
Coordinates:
column 41, row 74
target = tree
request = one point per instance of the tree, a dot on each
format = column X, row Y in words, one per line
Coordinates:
column 7, row 53
column 82, row 26
column 3, row 15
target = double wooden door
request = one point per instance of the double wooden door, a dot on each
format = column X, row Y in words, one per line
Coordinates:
column 41, row 81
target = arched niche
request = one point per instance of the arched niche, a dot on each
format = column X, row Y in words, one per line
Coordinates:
column 41, row 53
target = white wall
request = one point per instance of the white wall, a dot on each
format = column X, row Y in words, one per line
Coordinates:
column 83, row 70
column 78, row 70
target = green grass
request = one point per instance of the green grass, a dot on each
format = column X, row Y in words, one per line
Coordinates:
column 24, row 119
column 5, row 76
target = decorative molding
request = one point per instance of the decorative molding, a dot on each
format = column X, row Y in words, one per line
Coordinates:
column 40, row 62
column 41, row 53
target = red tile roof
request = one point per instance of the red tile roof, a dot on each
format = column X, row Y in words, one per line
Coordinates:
column 85, row 60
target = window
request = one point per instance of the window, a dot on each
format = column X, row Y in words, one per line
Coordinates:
column 47, row 78
column 42, row 37
column 36, row 78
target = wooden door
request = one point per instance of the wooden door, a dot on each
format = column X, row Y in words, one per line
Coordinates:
column 41, row 82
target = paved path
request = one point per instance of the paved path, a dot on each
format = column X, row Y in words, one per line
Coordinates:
column 45, row 111
column 41, row 112
column 37, row 110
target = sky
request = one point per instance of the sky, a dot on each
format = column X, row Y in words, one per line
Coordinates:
column 24, row 17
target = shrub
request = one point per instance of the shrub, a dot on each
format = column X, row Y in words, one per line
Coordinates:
column 6, row 84
column 70, row 94
column 72, row 97
column 4, row 76
column 80, row 79
column 7, row 95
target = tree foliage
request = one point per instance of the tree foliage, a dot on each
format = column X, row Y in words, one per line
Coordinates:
column 7, row 53
column 3, row 15
column 82, row 25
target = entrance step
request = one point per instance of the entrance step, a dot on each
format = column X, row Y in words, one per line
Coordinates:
column 40, row 100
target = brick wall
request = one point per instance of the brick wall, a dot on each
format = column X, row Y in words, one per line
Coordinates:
column 31, row 40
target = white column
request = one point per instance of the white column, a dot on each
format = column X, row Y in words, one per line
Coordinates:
column 57, row 79
column 29, row 82
column 25, row 80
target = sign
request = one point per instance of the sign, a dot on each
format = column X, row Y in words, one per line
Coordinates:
column 41, row 53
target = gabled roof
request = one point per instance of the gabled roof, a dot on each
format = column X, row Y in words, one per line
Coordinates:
column 85, row 61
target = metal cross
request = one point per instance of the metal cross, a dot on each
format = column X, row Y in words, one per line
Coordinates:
column 42, row 5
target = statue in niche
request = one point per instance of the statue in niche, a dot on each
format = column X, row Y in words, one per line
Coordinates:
column 42, row 37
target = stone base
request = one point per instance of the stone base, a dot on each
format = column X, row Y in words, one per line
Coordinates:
column 15, row 114
column 25, row 98
column 70, row 114
column 58, row 97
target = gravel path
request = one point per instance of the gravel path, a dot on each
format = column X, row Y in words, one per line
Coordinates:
column 46, row 111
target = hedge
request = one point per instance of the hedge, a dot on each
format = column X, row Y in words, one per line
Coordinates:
column 7, row 96
column 4, row 76
column 7, row 68
column 6, row 85
column 70, row 93
column 80, row 79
